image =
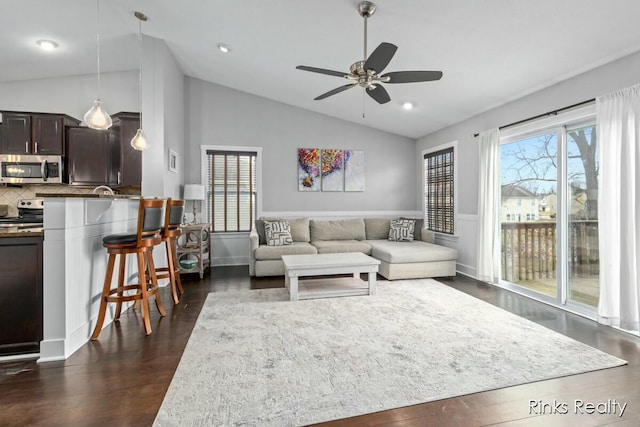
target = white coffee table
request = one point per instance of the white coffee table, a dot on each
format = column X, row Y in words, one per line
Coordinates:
column 354, row 263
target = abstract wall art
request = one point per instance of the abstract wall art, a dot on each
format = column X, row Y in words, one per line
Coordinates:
column 332, row 170
column 353, row 170
column 308, row 169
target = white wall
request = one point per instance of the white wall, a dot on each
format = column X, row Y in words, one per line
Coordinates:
column 602, row 80
column 217, row 115
column 72, row 95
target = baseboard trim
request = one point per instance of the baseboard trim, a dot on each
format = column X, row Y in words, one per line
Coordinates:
column 229, row 261
column 467, row 270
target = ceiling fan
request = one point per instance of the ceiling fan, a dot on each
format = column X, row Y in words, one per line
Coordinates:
column 366, row 73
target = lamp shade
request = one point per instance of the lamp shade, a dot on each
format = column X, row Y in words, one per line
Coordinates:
column 193, row 192
column 97, row 117
column 139, row 141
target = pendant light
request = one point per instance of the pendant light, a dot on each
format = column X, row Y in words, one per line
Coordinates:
column 139, row 141
column 97, row 117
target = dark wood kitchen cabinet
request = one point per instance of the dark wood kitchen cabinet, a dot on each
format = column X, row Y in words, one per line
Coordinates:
column 34, row 133
column 129, row 161
column 90, row 159
column 20, row 295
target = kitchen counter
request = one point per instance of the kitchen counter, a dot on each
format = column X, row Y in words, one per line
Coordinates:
column 88, row 196
column 21, row 232
column 74, row 267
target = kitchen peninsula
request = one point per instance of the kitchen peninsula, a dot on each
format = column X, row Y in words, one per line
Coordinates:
column 75, row 264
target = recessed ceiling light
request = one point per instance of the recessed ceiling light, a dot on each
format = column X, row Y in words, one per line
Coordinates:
column 407, row 106
column 224, row 48
column 47, row 44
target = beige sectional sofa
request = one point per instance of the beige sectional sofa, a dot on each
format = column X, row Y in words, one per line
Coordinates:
column 398, row 260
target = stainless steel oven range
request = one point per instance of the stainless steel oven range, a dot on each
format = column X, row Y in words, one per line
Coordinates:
column 30, row 215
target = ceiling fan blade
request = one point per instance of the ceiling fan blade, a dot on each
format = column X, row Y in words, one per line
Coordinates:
column 379, row 94
column 413, row 76
column 334, row 91
column 380, row 57
column 321, row 71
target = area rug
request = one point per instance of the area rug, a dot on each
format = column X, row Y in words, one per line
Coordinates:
column 256, row 359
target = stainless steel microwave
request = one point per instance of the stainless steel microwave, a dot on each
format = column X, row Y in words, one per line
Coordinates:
column 30, row 169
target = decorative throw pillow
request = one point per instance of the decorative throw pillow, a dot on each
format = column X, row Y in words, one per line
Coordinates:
column 417, row 228
column 277, row 233
column 401, row 230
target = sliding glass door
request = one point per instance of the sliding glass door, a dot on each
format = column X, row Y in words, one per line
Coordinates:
column 549, row 218
column 582, row 211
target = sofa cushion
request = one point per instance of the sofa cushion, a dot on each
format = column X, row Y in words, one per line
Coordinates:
column 277, row 233
column 342, row 246
column 299, row 229
column 343, row 229
column 260, row 229
column 377, row 228
column 404, row 252
column 264, row 252
column 401, row 230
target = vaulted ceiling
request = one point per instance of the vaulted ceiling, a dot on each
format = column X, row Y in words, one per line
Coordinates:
column 490, row 51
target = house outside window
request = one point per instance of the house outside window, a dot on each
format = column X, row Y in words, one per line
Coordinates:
column 231, row 188
column 439, row 188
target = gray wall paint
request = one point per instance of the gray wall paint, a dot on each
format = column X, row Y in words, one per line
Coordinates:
column 599, row 81
column 217, row 115
column 174, row 122
column 163, row 119
column 72, row 95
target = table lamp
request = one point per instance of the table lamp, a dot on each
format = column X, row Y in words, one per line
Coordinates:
column 193, row 192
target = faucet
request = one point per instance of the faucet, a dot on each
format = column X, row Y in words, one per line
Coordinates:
column 105, row 190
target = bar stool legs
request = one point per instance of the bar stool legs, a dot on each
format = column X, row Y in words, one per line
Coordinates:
column 140, row 243
column 104, row 297
column 170, row 232
column 172, row 269
column 144, row 289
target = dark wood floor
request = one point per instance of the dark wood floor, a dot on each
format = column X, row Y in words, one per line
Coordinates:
column 121, row 379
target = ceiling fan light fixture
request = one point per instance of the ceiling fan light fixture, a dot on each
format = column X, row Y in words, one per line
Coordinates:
column 47, row 45
column 407, row 105
column 224, row 48
column 367, row 73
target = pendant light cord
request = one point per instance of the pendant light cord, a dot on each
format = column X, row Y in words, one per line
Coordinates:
column 98, row 43
column 140, row 66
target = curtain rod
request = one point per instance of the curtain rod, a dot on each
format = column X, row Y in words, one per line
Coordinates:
column 539, row 116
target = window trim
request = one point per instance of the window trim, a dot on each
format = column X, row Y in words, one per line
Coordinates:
column 233, row 149
column 430, row 150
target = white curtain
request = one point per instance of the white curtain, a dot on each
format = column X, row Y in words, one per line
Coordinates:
column 618, row 127
column 489, row 207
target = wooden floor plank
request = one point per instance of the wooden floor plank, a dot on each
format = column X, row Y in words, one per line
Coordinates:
column 122, row 378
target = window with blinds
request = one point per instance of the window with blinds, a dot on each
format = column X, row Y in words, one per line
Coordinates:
column 438, row 191
column 231, row 190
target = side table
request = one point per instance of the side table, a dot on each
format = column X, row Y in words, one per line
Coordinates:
column 192, row 248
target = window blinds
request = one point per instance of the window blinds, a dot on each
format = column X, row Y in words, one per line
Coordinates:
column 438, row 185
column 231, row 190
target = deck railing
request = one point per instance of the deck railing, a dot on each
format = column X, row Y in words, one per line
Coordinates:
column 529, row 250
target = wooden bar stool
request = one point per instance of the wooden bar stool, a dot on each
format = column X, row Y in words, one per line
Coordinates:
column 170, row 232
column 141, row 243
